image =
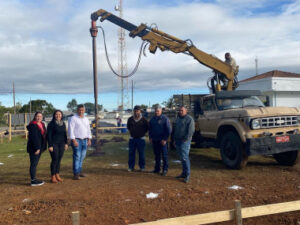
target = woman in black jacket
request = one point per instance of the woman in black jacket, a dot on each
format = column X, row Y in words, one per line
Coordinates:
column 36, row 145
column 57, row 143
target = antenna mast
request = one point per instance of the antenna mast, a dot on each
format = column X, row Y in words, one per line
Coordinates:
column 122, row 62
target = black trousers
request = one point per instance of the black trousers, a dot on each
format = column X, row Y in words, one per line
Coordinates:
column 56, row 155
column 34, row 160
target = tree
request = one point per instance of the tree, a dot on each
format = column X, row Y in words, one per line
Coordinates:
column 38, row 106
column 170, row 103
column 90, row 107
column 143, row 107
column 72, row 105
column 3, row 110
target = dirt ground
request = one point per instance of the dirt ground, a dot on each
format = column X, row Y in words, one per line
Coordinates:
column 111, row 195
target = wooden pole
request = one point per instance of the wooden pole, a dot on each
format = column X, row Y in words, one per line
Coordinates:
column 9, row 127
column 238, row 213
column 25, row 124
column 76, row 218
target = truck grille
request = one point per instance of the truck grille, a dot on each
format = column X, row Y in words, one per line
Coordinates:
column 282, row 121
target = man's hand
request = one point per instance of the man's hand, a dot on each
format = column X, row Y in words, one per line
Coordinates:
column 74, row 142
column 37, row 152
column 150, row 140
column 50, row 149
column 66, row 147
column 163, row 142
column 89, row 142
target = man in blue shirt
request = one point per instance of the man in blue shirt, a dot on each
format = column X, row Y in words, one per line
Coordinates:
column 159, row 132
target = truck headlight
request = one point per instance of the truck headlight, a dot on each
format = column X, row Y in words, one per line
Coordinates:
column 255, row 124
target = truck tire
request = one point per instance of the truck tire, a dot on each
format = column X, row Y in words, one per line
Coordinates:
column 287, row 158
column 232, row 151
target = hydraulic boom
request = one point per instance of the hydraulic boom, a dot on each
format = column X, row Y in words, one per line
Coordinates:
column 163, row 41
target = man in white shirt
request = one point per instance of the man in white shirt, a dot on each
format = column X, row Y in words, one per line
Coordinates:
column 80, row 135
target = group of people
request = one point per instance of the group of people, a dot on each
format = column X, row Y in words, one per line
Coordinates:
column 55, row 136
column 159, row 129
column 56, row 139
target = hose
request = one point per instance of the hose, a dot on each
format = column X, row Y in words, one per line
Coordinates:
column 142, row 49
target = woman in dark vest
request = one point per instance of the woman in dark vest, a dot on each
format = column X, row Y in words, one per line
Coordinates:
column 57, row 143
column 36, row 145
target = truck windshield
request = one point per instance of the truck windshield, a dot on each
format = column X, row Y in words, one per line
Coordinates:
column 233, row 103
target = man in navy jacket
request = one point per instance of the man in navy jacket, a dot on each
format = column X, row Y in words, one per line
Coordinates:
column 159, row 132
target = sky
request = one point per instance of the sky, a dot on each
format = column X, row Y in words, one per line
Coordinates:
column 46, row 47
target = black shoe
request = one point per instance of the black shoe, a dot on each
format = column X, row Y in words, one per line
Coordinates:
column 180, row 176
column 186, row 179
column 155, row 171
column 37, row 182
column 76, row 177
column 164, row 173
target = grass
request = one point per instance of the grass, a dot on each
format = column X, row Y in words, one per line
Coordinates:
column 15, row 160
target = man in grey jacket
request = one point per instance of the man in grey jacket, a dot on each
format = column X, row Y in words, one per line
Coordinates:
column 183, row 133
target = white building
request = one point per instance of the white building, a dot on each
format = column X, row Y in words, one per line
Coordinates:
column 282, row 88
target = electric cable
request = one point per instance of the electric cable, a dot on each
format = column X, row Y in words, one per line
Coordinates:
column 142, row 49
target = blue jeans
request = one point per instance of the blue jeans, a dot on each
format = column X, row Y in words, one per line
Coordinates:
column 79, row 153
column 139, row 144
column 160, row 150
column 183, row 150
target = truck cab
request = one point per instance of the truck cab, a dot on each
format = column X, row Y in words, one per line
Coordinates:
column 240, row 125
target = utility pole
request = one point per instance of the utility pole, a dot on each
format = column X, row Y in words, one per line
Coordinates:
column 94, row 32
column 132, row 95
column 256, row 65
column 14, row 99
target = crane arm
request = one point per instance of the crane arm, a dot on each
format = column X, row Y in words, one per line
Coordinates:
column 164, row 41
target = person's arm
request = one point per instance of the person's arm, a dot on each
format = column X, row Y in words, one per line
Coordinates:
column 89, row 128
column 71, row 127
column 146, row 125
column 49, row 134
column 128, row 124
column 168, row 130
column 150, row 129
column 191, row 129
column 65, row 134
column 36, row 139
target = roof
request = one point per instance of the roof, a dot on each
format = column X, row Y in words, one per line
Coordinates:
column 273, row 73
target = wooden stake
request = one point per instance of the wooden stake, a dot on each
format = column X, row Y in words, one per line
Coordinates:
column 76, row 218
column 9, row 127
column 238, row 213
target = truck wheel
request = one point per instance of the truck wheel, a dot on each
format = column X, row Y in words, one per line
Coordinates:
column 233, row 153
column 287, row 158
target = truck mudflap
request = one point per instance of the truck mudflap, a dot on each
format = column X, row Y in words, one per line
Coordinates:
column 272, row 145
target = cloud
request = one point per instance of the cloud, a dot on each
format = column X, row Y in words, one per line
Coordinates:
column 47, row 48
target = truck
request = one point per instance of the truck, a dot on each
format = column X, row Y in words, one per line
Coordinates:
column 240, row 125
column 236, row 122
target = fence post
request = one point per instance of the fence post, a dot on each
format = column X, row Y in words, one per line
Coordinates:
column 25, row 124
column 75, row 218
column 238, row 212
column 9, row 127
